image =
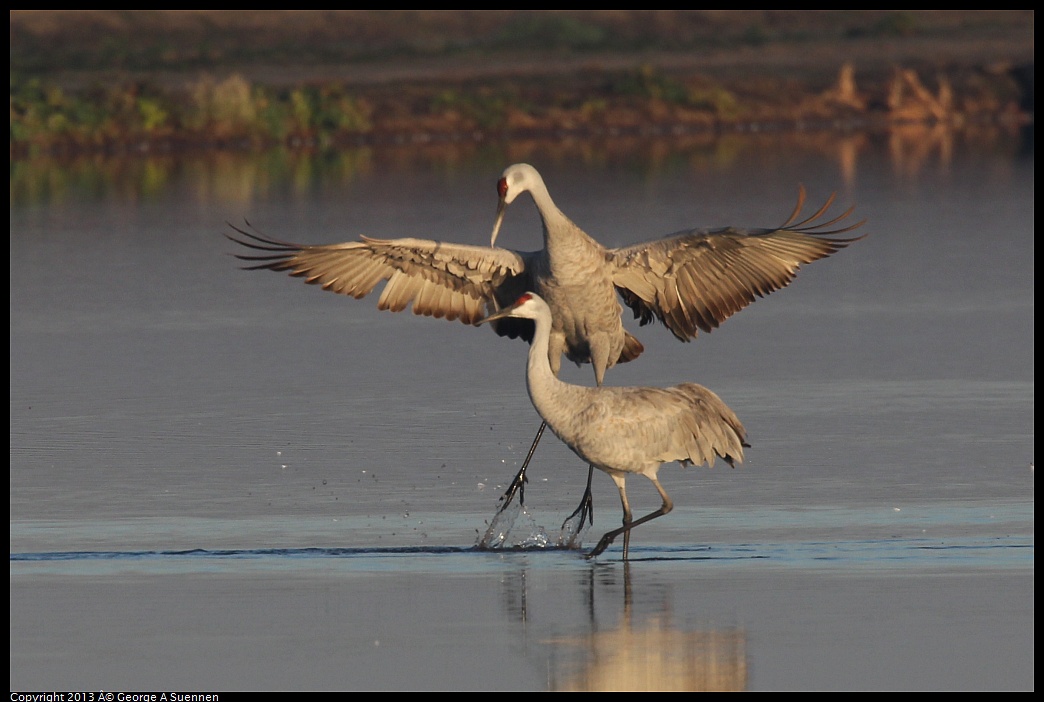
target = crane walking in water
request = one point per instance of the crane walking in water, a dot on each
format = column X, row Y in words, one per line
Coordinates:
column 691, row 281
column 626, row 430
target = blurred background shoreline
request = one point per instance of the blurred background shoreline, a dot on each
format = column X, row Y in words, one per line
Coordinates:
column 125, row 82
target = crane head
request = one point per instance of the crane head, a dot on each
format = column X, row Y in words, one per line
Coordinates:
column 528, row 306
column 515, row 180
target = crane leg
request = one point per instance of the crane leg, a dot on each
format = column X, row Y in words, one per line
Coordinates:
column 626, row 531
column 607, row 539
column 586, row 507
column 518, row 483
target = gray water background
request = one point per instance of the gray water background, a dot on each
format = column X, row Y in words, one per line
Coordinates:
column 232, row 480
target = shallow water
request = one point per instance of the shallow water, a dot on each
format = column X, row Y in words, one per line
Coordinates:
column 228, row 480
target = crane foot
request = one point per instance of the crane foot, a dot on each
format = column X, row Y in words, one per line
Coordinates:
column 602, row 545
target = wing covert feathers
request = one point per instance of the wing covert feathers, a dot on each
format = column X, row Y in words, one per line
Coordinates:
column 693, row 281
column 455, row 281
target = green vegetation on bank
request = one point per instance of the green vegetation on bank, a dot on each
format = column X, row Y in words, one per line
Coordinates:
column 235, row 113
column 228, row 112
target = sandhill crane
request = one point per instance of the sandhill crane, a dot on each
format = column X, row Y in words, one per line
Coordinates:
column 691, row 281
column 623, row 430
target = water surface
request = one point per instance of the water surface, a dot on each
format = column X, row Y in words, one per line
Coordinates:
column 225, row 479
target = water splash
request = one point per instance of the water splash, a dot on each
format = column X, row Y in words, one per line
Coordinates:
column 572, row 532
column 513, row 527
column 506, row 531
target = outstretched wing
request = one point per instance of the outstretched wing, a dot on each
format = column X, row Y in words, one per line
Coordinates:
column 695, row 280
column 455, row 281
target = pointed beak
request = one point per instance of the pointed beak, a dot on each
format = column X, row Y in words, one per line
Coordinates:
column 506, row 312
column 501, row 208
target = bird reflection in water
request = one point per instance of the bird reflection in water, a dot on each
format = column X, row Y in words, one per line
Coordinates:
column 638, row 652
